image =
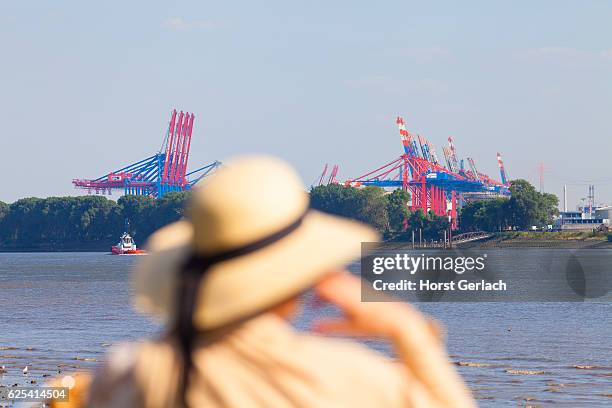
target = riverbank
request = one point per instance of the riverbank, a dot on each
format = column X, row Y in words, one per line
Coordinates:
column 99, row 246
column 536, row 239
column 513, row 239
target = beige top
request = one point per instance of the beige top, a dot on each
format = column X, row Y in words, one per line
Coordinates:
column 264, row 362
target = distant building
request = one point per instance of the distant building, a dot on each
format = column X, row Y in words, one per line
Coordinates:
column 584, row 220
column 604, row 213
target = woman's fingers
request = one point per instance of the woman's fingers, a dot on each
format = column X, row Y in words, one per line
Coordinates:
column 437, row 329
column 335, row 327
column 378, row 319
column 341, row 289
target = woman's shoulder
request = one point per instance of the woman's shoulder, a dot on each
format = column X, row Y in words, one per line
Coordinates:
column 116, row 378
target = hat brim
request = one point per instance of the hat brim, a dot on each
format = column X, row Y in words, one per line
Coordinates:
column 243, row 286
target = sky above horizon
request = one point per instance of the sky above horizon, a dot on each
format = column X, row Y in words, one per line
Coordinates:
column 88, row 87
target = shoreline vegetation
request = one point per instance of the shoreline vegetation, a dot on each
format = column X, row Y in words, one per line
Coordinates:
column 84, row 223
column 94, row 223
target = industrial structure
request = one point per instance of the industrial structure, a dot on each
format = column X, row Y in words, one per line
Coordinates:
column 587, row 217
column 331, row 178
column 159, row 174
column 434, row 186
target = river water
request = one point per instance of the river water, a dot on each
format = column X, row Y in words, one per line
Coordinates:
column 61, row 312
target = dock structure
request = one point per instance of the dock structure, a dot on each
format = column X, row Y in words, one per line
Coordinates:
column 444, row 244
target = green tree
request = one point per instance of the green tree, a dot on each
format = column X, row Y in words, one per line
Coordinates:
column 387, row 212
column 523, row 204
column 470, row 215
column 548, row 208
column 368, row 205
column 427, row 227
column 140, row 212
column 168, row 209
column 435, row 226
column 4, row 208
column 525, row 207
column 87, row 222
column 528, row 207
column 484, row 215
column 371, row 207
column 397, row 210
column 334, row 199
column 416, row 221
column 57, row 222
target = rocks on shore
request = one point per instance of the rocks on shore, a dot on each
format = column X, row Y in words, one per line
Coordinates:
column 470, row 364
column 524, row 372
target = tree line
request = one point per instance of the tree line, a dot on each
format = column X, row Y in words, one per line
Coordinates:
column 83, row 223
column 95, row 222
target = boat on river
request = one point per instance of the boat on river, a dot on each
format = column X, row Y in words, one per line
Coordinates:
column 126, row 246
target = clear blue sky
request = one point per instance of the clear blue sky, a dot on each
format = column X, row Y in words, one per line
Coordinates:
column 88, row 86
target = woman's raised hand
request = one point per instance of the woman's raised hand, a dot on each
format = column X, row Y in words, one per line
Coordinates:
column 376, row 319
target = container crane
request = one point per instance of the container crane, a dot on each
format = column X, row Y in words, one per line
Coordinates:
column 160, row 173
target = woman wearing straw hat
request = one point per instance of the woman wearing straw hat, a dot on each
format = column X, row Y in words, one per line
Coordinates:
column 225, row 283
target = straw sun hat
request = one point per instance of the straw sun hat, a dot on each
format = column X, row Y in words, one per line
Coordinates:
column 254, row 240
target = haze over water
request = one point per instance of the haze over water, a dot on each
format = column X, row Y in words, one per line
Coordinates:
column 62, row 311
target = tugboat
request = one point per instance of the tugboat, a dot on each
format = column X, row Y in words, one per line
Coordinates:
column 126, row 245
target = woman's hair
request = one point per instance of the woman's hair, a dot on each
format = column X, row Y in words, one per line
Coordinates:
column 187, row 291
